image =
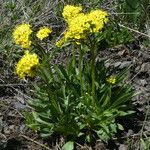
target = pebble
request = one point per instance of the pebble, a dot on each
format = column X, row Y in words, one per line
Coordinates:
column 143, row 82
column 145, row 67
column 123, row 147
column 125, row 64
column 117, row 64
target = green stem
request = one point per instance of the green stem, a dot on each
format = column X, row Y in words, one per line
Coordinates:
column 40, row 49
column 80, row 69
column 94, row 53
column 74, row 56
column 93, row 71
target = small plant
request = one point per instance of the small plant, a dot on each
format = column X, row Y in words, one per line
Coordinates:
column 81, row 98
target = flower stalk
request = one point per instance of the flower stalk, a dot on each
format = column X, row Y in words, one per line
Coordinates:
column 81, row 69
column 94, row 53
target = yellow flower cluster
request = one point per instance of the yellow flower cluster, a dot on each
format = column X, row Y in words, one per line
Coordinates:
column 21, row 35
column 70, row 12
column 111, row 80
column 27, row 65
column 82, row 24
column 78, row 28
column 97, row 19
column 43, row 32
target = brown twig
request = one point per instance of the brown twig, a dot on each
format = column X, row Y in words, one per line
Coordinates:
column 133, row 30
column 29, row 139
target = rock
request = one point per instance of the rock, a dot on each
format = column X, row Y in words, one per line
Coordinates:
column 22, row 128
column 147, row 126
column 100, row 146
column 125, row 64
column 6, row 130
column 18, row 105
column 117, row 64
column 122, row 53
column 11, row 127
column 143, row 82
column 130, row 132
column 145, row 68
column 107, row 64
column 146, row 57
column 123, row 147
column 20, row 99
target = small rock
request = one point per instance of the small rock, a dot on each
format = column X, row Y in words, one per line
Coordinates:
column 123, row 147
column 22, row 128
column 117, row 64
column 146, row 57
column 107, row 65
column 125, row 64
column 19, row 105
column 100, row 146
column 145, row 67
column 6, row 130
column 21, row 99
column 143, row 82
column 11, row 127
column 121, row 53
column 130, row 132
column 147, row 127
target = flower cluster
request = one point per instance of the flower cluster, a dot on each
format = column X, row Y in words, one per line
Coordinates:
column 21, row 35
column 97, row 19
column 43, row 32
column 27, row 64
column 82, row 24
column 111, row 80
column 70, row 12
column 78, row 28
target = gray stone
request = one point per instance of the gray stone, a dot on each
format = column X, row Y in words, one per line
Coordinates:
column 145, row 67
column 125, row 64
column 117, row 64
column 123, row 147
column 143, row 82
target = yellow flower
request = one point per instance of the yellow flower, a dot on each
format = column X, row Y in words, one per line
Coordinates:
column 80, row 25
column 21, row 35
column 78, row 28
column 69, row 12
column 27, row 65
column 97, row 19
column 111, row 80
column 60, row 42
column 43, row 32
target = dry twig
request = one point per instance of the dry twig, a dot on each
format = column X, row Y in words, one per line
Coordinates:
column 133, row 30
column 29, row 139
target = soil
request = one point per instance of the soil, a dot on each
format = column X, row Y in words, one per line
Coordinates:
column 15, row 135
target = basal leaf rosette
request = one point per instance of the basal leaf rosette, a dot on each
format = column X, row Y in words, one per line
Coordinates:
column 27, row 65
column 21, row 35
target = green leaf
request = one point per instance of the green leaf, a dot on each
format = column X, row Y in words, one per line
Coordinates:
column 120, row 127
column 113, row 127
column 68, row 146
